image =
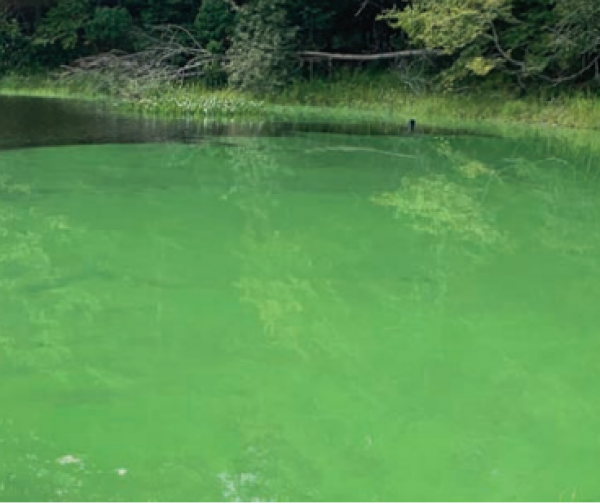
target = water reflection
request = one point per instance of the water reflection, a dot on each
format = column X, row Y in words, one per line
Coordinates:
column 36, row 122
column 235, row 320
column 32, row 329
column 278, row 273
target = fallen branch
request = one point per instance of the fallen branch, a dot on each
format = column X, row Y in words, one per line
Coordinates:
column 171, row 54
column 315, row 55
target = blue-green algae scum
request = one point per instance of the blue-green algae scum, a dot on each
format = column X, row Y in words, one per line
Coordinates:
column 300, row 317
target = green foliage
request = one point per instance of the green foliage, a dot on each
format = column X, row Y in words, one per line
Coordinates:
column 215, row 24
column 262, row 51
column 577, row 31
column 449, row 25
column 154, row 12
column 313, row 22
column 9, row 29
column 15, row 47
column 64, row 24
column 458, row 27
column 516, row 42
column 527, row 39
column 109, row 27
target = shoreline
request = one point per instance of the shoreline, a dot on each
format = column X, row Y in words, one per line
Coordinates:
column 358, row 101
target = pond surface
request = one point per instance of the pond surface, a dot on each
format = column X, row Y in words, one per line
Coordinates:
column 294, row 315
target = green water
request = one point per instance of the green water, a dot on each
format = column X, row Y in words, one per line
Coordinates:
column 313, row 317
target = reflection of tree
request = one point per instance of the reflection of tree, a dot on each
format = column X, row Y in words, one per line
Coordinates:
column 295, row 296
column 566, row 206
column 256, row 177
column 451, row 203
column 278, row 279
column 570, row 217
column 445, row 209
column 295, row 307
column 289, row 288
column 441, row 208
column 463, row 164
column 570, row 229
column 37, row 306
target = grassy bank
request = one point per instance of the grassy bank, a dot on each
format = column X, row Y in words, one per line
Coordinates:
column 352, row 98
column 385, row 98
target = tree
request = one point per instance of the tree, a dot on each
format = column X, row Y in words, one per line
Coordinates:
column 576, row 38
column 109, row 28
column 14, row 46
column 63, row 24
column 530, row 40
column 215, row 24
column 262, row 54
column 460, row 28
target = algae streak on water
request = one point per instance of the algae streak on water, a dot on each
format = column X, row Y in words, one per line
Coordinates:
column 414, row 326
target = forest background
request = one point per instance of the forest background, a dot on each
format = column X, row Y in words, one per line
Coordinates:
column 544, row 52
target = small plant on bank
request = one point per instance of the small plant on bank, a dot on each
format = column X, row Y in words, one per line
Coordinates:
column 193, row 101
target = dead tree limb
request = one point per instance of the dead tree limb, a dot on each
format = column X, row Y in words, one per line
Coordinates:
column 318, row 56
column 170, row 54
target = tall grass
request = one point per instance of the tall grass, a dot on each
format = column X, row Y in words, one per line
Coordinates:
column 195, row 101
column 385, row 96
column 47, row 86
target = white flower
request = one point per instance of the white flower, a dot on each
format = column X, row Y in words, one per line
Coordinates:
column 121, row 472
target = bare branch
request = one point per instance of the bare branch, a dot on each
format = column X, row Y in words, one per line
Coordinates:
column 315, row 55
column 554, row 81
column 502, row 52
column 171, row 53
column 559, row 80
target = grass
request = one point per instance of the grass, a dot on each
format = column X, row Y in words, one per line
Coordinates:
column 46, row 86
column 384, row 96
column 347, row 98
column 196, row 101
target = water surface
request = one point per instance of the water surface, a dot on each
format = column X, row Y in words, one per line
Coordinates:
column 310, row 316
